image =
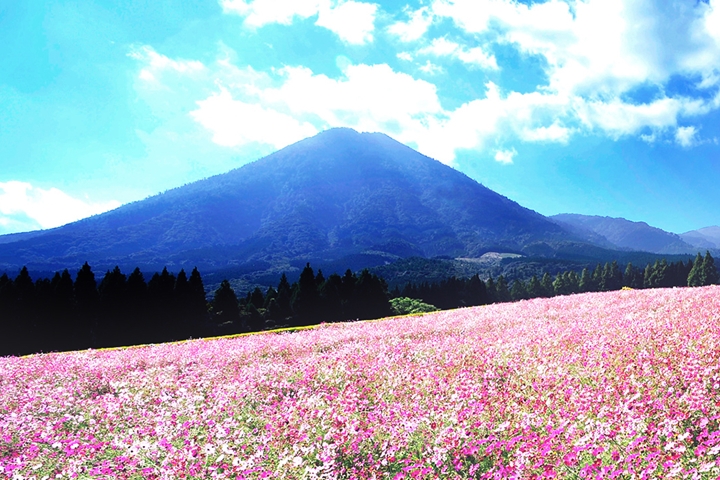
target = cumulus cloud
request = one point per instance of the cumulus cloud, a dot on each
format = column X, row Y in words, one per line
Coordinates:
column 156, row 64
column 352, row 21
column 505, row 156
column 413, row 29
column 233, row 122
column 686, row 136
column 475, row 56
column 25, row 207
column 593, row 53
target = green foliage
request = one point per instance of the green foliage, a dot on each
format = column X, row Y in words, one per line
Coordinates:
column 405, row 306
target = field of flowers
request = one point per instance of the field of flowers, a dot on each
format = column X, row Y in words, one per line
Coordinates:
column 612, row 385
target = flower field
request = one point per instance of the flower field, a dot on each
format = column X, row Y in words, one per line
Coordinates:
column 613, row 385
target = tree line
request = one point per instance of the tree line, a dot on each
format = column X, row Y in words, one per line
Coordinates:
column 63, row 313
column 454, row 293
column 312, row 299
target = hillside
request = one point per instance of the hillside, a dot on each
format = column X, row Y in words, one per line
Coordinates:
column 708, row 237
column 623, row 234
column 333, row 196
column 617, row 384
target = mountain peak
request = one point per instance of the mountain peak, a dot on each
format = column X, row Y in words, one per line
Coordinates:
column 340, row 193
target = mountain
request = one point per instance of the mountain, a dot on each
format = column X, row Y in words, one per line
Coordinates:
column 708, row 237
column 333, row 196
column 623, row 234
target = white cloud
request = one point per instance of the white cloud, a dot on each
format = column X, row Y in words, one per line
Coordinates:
column 23, row 206
column 352, row 21
column 261, row 12
column 234, row 122
column 405, row 56
column 553, row 133
column 686, row 136
column 413, row 29
column 505, row 156
column 595, row 51
column 156, row 64
column 442, row 47
column 431, row 69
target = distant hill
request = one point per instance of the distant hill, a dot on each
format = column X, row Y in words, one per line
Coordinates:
column 338, row 195
column 708, row 237
column 624, row 234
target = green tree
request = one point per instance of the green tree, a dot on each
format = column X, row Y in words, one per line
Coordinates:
column 709, row 273
column 695, row 275
column 86, row 298
column 502, row 291
column 546, row 283
column 586, row 282
column 305, row 301
column 534, row 289
column 406, row 306
column 519, row 290
column 225, row 304
column 112, row 300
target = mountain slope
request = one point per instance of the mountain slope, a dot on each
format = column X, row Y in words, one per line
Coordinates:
column 708, row 237
column 624, row 234
column 336, row 194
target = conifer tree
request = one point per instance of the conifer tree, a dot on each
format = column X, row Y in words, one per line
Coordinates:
column 546, row 283
column 476, row 291
column 305, row 301
column 225, row 304
column 64, row 321
column 586, row 283
column 534, row 289
column 502, row 291
column 491, row 290
column 709, row 273
column 284, row 298
column 182, row 315
column 518, row 290
column 86, row 298
column 695, row 275
column 112, row 299
column 197, row 303
column 138, row 309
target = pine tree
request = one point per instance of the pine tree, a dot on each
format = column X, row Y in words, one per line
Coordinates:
column 198, row 304
column 475, row 291
column 284, row 298
column 225, row 304
column 546, row 283
column 615, row 277
column 629, row 276
column 371, row 296
column 586, row 283
column 502, row 291
column 182, row 316
column 695, row 275
column 534, row 289
column 491, row 290
column 138, row 311
column 86, row 298
column 559, row 287
column 305, row 301
column 709, row 273
column 518, row 290
column 112, row 299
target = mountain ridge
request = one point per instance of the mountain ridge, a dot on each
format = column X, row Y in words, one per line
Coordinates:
column 338, row 193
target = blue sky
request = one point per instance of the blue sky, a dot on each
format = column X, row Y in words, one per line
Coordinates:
column 603, row 107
